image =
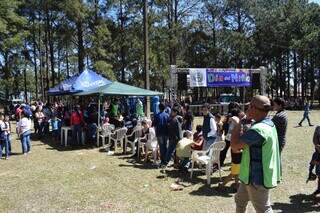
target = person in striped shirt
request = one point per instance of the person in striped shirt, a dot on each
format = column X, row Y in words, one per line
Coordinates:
column 280, row 119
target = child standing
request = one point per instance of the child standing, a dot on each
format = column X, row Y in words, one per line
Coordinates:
column 315, row 161
column 55, row 127
column 8, row 131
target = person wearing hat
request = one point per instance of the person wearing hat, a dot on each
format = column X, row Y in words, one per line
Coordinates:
column 260, row 162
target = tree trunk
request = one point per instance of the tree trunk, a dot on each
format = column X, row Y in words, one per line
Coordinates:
column 35, row 59
column 47, row 52
column 122, row 51
column 81, row 53
column 51, row 49
column 67, row 62
column 295, row 75
column 288, row 75
column 303, row 81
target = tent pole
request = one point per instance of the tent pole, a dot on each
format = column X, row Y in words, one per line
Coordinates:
column 99, row 117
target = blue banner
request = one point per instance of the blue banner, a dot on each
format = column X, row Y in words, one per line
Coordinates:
column 228, row 77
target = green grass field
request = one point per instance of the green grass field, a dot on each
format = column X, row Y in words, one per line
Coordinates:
column 54, row 179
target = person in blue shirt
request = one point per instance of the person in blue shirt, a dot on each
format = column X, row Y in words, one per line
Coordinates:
column 255, row 190
column 306, row 114
column 55, row 127
column 160, row 123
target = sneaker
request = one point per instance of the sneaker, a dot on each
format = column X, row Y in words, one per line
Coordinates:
column 300, row 124
column 316, row 192
column 311, row 177
column 311, row 125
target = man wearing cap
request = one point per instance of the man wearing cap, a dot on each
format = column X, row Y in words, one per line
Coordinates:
column 260, row 162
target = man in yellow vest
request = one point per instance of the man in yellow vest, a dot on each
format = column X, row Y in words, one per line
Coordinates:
column 260, row 162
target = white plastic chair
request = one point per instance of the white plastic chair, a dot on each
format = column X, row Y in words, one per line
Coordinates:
column 208, row 158
column 106, row 132
column 148, row 143
column 132, row 139
column 118, row 136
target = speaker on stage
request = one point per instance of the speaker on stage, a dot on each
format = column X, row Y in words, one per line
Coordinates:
column 182, row 81
column 255, row 80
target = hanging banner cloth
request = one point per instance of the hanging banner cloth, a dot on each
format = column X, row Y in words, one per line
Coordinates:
column 212, row 77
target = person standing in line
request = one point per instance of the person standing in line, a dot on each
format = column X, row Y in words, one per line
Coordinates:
column 280, row 119
column 232, row 120
column 187, row 118
column 3, row 138
column 174, row 133
column 39, row 120
column 209, row 127
column 8, row 132
column 260, row 162
column 76, row 122
column 306, row 114
column 161, row 126
column 23, row 129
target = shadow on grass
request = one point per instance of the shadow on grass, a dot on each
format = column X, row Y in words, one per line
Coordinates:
column 207, row 190
column 56, row 145
column 299, row 203
column 140, row 165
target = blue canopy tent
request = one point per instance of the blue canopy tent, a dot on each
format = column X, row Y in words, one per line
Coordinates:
column 85, row 81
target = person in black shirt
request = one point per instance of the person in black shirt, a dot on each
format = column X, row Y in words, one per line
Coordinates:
column 174, row 133
column 280, row 120
column 187, row 118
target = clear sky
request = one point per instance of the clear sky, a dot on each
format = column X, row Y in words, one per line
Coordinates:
column 317, row 1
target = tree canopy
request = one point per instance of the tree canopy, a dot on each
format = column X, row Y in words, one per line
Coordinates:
column 53, row 39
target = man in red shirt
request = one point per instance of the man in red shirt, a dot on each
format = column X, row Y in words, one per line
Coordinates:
column 76, row 122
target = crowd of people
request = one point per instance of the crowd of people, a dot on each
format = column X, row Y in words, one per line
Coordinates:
column 256, row 139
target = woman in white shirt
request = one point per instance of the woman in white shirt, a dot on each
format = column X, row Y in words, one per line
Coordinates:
column 23, row 130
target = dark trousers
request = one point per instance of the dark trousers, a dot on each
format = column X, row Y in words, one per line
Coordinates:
column 76, row 134
column 223, row 153
column 4, row 144
column 163, row 142
column 304, row 118
column 171, row 149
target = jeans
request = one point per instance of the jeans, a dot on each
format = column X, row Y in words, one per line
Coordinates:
column 208, row 142
column 4, row 144
column 258, row 195
column 9, row 142
column 92, row 132
column 184, row 164
column 25, row 142
column 163, row 142
column 40, row 129
column 171, row 149
column 76, row 134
